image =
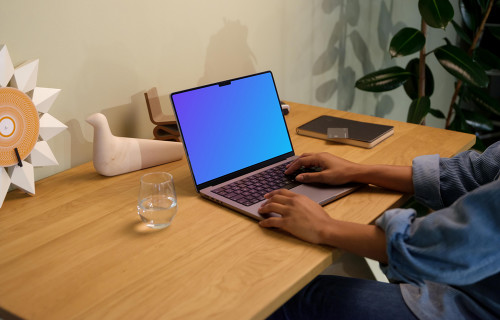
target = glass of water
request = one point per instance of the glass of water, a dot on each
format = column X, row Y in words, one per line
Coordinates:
column 157, row 203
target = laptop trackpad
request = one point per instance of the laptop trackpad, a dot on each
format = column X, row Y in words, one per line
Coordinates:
column 324, row 194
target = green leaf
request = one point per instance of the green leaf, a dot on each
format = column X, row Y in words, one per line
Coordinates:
column 419, row 108
column 479, row 145
column 383, row 80
column 477, row 121
column 482, row 99
column 437, row 113
column 486, row 59
column 460, row 65
column 461, row 33
column 471, row 13
column 483, row 4
column 411, row 86
column 494, row 31
column 458, row 123
column 436, row 13
column 448, row 42
column 406, row 41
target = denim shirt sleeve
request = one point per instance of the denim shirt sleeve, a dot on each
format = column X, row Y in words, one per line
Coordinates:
column 457, row 245
column 438, row 182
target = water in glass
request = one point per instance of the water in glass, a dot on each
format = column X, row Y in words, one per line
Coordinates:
column 157, row 203
column 157, row 211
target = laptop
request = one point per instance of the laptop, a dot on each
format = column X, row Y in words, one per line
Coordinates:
column 234, row 134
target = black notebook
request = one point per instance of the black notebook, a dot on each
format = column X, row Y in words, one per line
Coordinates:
column 356, row 133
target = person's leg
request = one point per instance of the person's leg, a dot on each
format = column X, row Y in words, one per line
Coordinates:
column 333, row 297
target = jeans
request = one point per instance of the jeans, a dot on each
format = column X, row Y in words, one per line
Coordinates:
column 334, row 297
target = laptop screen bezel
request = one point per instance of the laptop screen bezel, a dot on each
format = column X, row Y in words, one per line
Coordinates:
column 243, row 171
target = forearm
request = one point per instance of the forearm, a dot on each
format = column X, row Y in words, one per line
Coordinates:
column 364, row 240
column 398, row 178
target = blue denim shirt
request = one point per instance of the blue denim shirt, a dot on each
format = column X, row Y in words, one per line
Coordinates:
column 449, row 261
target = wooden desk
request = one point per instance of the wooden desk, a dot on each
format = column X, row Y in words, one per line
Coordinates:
column 77, row 249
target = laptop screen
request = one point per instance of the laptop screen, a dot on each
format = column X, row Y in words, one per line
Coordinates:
column 231, row 125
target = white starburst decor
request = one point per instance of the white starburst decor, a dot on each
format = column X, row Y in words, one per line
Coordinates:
column 25, row 125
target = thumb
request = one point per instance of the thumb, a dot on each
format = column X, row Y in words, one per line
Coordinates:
column 273, row 222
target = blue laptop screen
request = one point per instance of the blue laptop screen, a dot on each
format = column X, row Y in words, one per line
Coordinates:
column 231, row 125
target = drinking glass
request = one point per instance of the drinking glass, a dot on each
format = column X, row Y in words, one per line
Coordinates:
column 157, row 203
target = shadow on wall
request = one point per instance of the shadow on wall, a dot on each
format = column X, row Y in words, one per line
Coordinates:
column 225, row 61
column 80, row 147
column 101, row 82
column 128, row 120
column 344, row 32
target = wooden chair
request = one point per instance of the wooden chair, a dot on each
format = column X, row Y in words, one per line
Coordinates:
column 166, row 126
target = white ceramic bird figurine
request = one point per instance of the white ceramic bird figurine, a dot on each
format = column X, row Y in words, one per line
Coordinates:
column 117, row 155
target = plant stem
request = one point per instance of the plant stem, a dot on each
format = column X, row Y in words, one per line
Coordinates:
column 477, row 35
column 421, row 66
column 453, row 99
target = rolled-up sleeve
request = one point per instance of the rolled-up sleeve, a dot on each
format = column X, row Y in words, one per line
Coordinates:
column 426, row 181
column 439, row 182
column 457, row 245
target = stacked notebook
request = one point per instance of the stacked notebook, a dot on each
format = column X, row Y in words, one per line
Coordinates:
column 356, row 133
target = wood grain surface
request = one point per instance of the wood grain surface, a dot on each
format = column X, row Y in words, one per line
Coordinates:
column 77, row 249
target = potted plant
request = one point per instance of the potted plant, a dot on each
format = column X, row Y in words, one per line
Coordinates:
column 471, row 107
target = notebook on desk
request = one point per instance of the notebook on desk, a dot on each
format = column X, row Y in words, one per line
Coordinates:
column 235, row 135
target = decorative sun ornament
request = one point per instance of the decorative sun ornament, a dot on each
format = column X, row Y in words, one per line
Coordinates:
column 25, row 125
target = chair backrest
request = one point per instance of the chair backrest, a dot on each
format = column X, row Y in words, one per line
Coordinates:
column 154, row 108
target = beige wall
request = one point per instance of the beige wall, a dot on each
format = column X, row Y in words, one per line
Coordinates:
column 104, row 54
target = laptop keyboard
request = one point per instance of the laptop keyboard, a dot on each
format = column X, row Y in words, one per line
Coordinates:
column 252, row 189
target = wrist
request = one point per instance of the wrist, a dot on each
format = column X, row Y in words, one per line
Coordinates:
column 360, row 173
column 398, row 178
column 362, row 240
column 327, row 233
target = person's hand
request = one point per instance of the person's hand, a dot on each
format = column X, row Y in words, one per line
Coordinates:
column 334, row 171
column 300, row 215
column 305, row 219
